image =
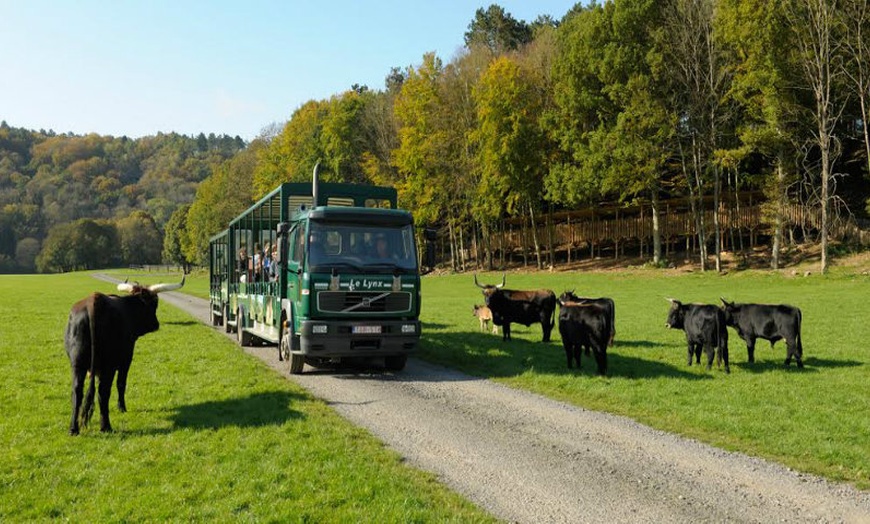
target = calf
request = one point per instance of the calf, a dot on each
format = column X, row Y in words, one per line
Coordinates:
column 770, row 322
column 604, row 302
column 705, row 328
column 484, row 315
column 585, row 326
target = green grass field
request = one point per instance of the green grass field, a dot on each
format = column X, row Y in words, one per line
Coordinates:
column 212, row 434
column 815, row 420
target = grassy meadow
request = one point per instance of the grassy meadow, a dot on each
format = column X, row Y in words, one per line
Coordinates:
column 211, row 434
column 815, row 419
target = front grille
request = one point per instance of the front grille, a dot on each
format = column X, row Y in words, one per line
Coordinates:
column 362, row 302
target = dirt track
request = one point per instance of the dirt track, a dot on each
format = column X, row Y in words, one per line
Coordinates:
column 525, row 458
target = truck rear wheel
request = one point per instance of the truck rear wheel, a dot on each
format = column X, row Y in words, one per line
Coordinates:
column 226, row 320
column 245, row 338
column 395, row 362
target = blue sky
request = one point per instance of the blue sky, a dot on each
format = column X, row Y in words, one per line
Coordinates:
column 138, row 67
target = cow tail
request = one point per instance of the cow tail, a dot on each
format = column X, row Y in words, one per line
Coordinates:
column 612, row 323
column 553, row 315
column 88, row 406
column 800, row 346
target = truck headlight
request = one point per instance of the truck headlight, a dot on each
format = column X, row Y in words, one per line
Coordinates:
column 408, row 329
column 319, row 329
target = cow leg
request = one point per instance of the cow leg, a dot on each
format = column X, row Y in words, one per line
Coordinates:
column 122, row 388
column 690, row 353
column 104, row 391
column 547, row 327
column 708, row 349
column 750, row 347
column 723, row 356
column 793, row 350
column 569, row 352
column 599, row 349
column 78, row 386
column 506, row 331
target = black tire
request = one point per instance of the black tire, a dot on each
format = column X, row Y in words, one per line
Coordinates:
column 297, row 361
column 395, row 362
column 283, row 349
column 226, row 320
column 216, row 319
column 245, row 338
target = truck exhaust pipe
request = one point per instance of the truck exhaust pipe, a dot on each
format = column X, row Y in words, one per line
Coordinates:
column 314, row 185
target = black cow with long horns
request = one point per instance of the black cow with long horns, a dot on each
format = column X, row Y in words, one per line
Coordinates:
column 99, row 339
column 522, row 307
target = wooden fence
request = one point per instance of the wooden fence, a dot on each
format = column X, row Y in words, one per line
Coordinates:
column 611, row 230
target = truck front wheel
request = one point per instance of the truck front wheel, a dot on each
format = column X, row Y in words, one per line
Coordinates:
column 288, row 344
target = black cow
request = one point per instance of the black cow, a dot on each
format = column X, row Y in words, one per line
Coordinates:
column 100, row 335
column 522, row 307
column 705, row 328
column 584, row 325
column 607, row 303
column 770, row 322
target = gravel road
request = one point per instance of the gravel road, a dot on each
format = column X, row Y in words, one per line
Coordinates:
column 526, row 458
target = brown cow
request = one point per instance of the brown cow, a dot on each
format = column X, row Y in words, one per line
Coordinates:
column 522, row 307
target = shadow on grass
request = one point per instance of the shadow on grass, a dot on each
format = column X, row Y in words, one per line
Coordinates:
column 260, row 409
column 487, row 356
column 183, row 323
column 811, row 365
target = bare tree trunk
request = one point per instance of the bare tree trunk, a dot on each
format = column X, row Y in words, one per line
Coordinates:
column 825, row 201
column 535, row 235
column 452, row 236
column 656, row 229
column 462, row 250
column 717, row 233
column 550, row 226
column 777, row 221
column 814, row 24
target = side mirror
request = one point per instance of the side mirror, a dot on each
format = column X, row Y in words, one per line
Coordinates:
column 283, row 229
column 430, row 255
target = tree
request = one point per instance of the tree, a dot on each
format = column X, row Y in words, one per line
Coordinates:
column 422, row 142
column 80, row 245
column 497, row 30
column 817, row 35
column 856, row 22
column 292, row 154
column 757, row 33
column 701, row 82
column 140, row 240
column 511, row 141
column 219, row 199
column 174, row 234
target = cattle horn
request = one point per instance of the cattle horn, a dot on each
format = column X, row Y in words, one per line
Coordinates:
column 671, row 300
column 499, row 286
column 159, row 288
column 478, row 284
column 725, row 301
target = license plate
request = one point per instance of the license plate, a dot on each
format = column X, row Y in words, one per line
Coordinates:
column 366, row 330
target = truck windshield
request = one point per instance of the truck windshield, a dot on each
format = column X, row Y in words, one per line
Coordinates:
column 365, row 249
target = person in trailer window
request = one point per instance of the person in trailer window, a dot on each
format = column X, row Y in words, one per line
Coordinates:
column 243, row 264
